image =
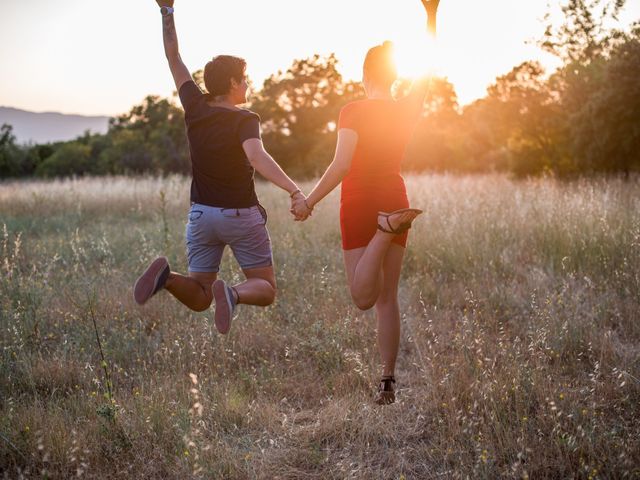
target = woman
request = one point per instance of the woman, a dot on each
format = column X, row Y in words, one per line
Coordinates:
column 372, row 136
column 225, row 148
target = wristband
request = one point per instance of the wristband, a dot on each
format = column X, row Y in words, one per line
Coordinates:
column 292, row 194
column 307, row 205
column 166, row 11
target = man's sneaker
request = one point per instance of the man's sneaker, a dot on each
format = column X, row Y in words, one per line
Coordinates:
column 152, row 280
column 225, row 305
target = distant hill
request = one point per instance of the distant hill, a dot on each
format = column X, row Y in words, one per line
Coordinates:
column 50, row 126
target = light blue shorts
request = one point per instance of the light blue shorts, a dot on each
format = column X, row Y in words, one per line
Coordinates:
column 211, row 229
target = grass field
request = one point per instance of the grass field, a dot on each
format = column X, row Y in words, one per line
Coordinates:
column 520, row 354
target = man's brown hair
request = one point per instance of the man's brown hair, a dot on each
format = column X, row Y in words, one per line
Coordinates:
column 219, row 72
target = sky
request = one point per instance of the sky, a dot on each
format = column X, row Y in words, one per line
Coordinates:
column 101, row 58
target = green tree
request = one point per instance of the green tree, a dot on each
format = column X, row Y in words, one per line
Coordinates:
column 529, row 121
column 158, row 126
column 299, row 110
column 606, row 129
column 71, row 158
column 34, row 155
column 435, row 143
column 10, row 154
column 595, row 87
column 585, row 33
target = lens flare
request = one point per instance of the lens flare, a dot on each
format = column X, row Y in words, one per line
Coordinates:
column 417, row 56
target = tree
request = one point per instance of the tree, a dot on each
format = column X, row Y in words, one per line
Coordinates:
column 584, row 35
column 9, row 153
column 150, row 137
column 300, row 110
column 596, row 86
column 606, row 129
column 435, row 141
column 71, row 158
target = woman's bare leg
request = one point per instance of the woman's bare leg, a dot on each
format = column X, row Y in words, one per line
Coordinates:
column 193, row 291
column 388, row 311
column 365, row 277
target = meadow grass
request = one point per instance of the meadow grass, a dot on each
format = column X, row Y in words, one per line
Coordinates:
column 520, row 353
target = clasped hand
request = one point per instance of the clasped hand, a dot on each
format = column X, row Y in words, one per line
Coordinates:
column 299, row 208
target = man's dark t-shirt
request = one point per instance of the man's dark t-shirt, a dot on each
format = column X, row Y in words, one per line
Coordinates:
column 222, row 174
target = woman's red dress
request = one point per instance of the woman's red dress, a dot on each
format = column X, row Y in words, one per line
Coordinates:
column 374, row 183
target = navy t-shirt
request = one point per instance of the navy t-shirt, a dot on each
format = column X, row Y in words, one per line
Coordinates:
column 222, row 174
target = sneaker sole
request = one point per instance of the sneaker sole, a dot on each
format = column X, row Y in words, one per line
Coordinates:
column 147, row 282
column 222, row 316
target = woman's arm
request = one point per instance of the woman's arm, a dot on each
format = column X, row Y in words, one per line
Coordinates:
column 420, row 86
column 345, row 147
column 431, row 6
column 178, row 69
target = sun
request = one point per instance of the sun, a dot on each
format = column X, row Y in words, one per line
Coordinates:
column 417, row 55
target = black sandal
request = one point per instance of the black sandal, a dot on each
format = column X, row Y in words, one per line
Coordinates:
column 403, row 227
column 386, row 394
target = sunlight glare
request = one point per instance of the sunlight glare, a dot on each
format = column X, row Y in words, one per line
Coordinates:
column 417, row 55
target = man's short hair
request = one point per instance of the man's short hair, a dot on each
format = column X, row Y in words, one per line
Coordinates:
column 219, row 72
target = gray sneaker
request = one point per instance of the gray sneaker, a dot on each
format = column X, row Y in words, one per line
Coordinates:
column 151, row 281
column 225, row 305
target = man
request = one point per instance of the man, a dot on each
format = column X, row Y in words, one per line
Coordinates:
column 225, row 149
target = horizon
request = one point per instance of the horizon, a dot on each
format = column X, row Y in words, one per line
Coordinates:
column 125, row 71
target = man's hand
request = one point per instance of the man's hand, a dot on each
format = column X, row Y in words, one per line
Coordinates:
column 299, row 207
column 165, row 3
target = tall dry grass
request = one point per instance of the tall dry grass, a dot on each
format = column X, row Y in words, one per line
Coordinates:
column 520, row 351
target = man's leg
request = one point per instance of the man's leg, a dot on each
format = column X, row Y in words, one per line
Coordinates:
column 259, row 288
column 193, row 291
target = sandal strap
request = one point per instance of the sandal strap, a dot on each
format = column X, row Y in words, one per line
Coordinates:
column 401, row 228
column 389, row 224
column 386, row 383
column 380, row 227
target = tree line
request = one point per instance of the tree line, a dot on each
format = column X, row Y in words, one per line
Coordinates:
column 583, row 118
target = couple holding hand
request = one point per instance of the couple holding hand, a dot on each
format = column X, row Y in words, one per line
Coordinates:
column 226, row 149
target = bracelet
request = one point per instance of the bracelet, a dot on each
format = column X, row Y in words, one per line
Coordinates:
column 307, row 205
column 292, row 194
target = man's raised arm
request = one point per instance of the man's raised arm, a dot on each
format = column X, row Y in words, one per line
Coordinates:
column 170, row 37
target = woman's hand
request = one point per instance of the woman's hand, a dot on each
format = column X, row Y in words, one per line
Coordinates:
column 299, row 208
column 430, row 5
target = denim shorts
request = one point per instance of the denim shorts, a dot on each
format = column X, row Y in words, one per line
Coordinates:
column 211, row 229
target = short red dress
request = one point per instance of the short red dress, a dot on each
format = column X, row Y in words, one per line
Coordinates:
column 374, row 183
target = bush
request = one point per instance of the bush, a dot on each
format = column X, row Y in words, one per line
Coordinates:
column 70, row 158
